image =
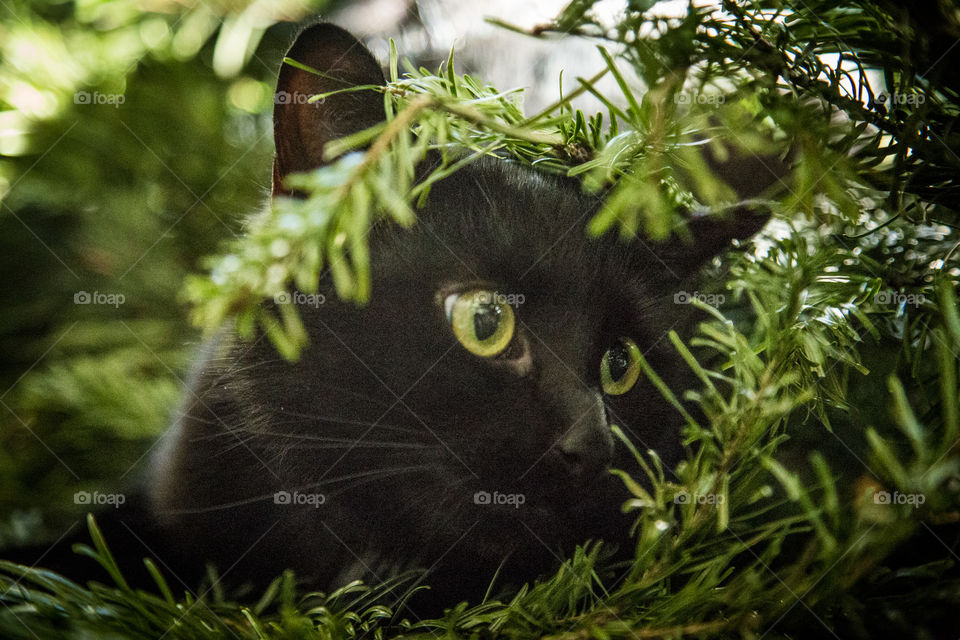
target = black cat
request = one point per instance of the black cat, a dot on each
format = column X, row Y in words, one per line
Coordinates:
column 460, row 421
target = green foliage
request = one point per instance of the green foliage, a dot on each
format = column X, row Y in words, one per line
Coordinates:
column 821, row 481
column 102, row 192
column 43, row 604
column 784, row 98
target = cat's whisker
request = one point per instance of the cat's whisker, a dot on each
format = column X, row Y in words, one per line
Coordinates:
column 335, row 420
column 363, row 478
column 366, row 481
column 234, row 369
column 364, row 445
column 284, row 443
column 371, row 475
column 359, row 451
column 243, row 440
column 207, row 437
column 291, row 435
column 237, row 433
column 365, row 397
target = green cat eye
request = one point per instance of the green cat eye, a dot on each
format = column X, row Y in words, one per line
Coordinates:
column 482, row 323
column 620, row 367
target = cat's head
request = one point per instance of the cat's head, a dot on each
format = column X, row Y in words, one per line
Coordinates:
column 465, row 411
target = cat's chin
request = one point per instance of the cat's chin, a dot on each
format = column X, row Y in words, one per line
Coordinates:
column 550, row 500
column 555, row 522
column 518, row 545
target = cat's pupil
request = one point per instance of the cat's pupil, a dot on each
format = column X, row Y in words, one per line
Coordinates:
column 486, row 319
column 618, row 361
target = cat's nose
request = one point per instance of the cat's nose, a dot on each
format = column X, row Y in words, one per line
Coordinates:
column 587, row 446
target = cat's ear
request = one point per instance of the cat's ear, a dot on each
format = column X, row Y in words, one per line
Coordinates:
column 754, row 179
column 301, row 128
column 705, row 235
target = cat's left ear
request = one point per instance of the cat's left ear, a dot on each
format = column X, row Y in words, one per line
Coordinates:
column 754, row 179
column 302, row 128
column 706, row 235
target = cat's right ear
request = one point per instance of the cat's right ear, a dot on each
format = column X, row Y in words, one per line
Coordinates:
column 301, row 128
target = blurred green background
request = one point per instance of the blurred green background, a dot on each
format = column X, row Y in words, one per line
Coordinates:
column 134, row 136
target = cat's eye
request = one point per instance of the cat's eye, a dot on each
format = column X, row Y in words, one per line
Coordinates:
column 482, row 322
column 620, row 367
